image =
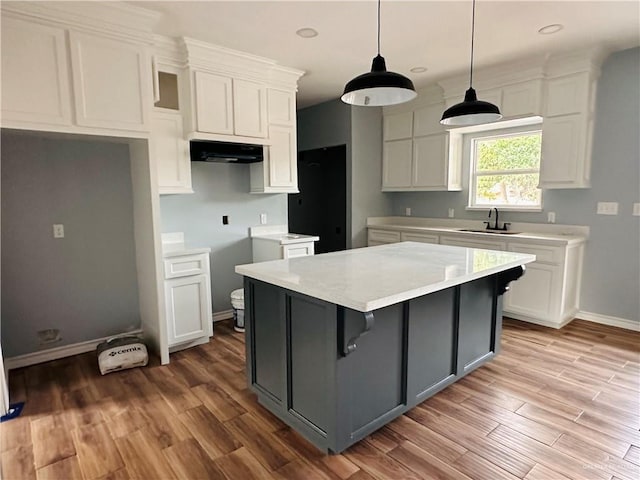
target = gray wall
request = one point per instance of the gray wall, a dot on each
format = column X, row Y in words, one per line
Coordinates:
column 221, row 189
column 611, row 279
column 360, row 129
column 84, row 284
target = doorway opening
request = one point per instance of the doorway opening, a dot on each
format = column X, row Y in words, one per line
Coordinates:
column 321, row 206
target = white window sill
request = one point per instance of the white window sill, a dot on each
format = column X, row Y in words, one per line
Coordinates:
column 505, row 208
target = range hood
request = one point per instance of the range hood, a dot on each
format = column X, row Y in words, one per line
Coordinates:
column 225, row 152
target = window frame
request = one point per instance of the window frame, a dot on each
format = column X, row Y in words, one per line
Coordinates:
column 470, row 140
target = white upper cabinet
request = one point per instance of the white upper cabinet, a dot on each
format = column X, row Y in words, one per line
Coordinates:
column 522, row 99
column 35, row 73
column 278, row 173
column 249, row 108
column 111, row 80
column 214, row 103
column 567, row 130
column 415, row 153
column 230, row 106
column 170, row 153
column 63, row 75
column 281, row 106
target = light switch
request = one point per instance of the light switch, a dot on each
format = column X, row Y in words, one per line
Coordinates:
column 407, row 211
column 607, row 208
column 636, row 209
column 263, row 219
column 58, row 230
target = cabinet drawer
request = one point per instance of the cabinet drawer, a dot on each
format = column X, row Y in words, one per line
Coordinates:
column 543, row 254
column 473, row 243
column 383, row 236
column 419, row 237
column 297, row 250
column 186, row 265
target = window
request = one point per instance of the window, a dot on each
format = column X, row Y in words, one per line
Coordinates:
column 505, row 168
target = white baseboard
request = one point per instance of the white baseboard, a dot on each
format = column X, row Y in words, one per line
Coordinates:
column 609, row 320
column 537, row 321
column 59, row 352
column 222, row 315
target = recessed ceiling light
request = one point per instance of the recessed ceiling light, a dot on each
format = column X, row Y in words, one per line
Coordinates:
column 418, row 69
column 550, row 29
column 307, row 32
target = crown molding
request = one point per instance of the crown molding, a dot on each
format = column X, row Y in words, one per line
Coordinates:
column 115, row 19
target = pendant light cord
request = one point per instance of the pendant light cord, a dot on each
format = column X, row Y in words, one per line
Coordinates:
column 378, row 27
column 473, row 34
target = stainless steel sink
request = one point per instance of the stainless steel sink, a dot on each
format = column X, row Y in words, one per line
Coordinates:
column 499, row 232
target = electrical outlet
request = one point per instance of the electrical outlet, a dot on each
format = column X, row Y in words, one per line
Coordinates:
column 607, row 208
column 452, row 212
column 263, row 219
column 58, row 230
column 225, row 219
column 407, row 211
column 551, row 217
column 636, row 209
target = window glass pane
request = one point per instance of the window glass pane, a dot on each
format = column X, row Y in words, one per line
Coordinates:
column 517, row 189
column 508, row 152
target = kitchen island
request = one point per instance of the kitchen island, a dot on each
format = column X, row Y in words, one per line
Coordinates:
column 339, row 344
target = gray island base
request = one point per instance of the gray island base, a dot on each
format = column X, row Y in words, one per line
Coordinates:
column 336, row 374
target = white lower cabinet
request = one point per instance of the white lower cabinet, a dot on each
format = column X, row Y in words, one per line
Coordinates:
column 419, row 237
column 380, row 237
column 188, row 300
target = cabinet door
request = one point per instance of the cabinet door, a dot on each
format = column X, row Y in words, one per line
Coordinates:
column 281, row 107
column 188, row 308
column 396, row 164
column 170, row 152
column 430, row 166
column 397, row 126
column 426, row 120
column 282, row 158
column 35, row 78
column 522, row 99
column 567, row 95
column 111, row 83
column 563, row 150
column 379, row 237
column 214, row 103
column 249, row 108
column 419, row 237
column 297, row 250
column 536, row 293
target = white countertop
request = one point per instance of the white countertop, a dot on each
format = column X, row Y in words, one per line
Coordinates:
column 280, row 234
column 550, row 234
column 173, row 246
column 366, row 279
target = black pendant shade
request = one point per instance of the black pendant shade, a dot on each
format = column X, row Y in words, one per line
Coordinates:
column 378, row 87
column 471, row 111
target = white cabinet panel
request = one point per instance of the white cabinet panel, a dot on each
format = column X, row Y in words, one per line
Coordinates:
column 473, row 243
column 535, row 294
column 214, row 103
column 281, row 106
column 419, row 237
column 278, row 173
column 297, row 250
column 562, row 150
column 492, row 95
column 379, row 237
column 426, row 120
column 522, row 99
column 249, row 108
column 170, row 152
column 567, row 95
column 111, row 82
column 397, row 164
column 282, row 157
column 187, row 308
column 397, row 126
column 35, row 73
column 430, row 161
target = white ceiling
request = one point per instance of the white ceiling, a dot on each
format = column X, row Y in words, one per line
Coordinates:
column 432, row 34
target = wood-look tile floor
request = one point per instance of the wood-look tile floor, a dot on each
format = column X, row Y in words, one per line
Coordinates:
column 555, row 404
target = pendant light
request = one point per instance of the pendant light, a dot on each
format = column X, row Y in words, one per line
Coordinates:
column 471, row 111
column 379, row 87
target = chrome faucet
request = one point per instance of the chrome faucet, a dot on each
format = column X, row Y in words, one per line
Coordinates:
column 497, row 225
